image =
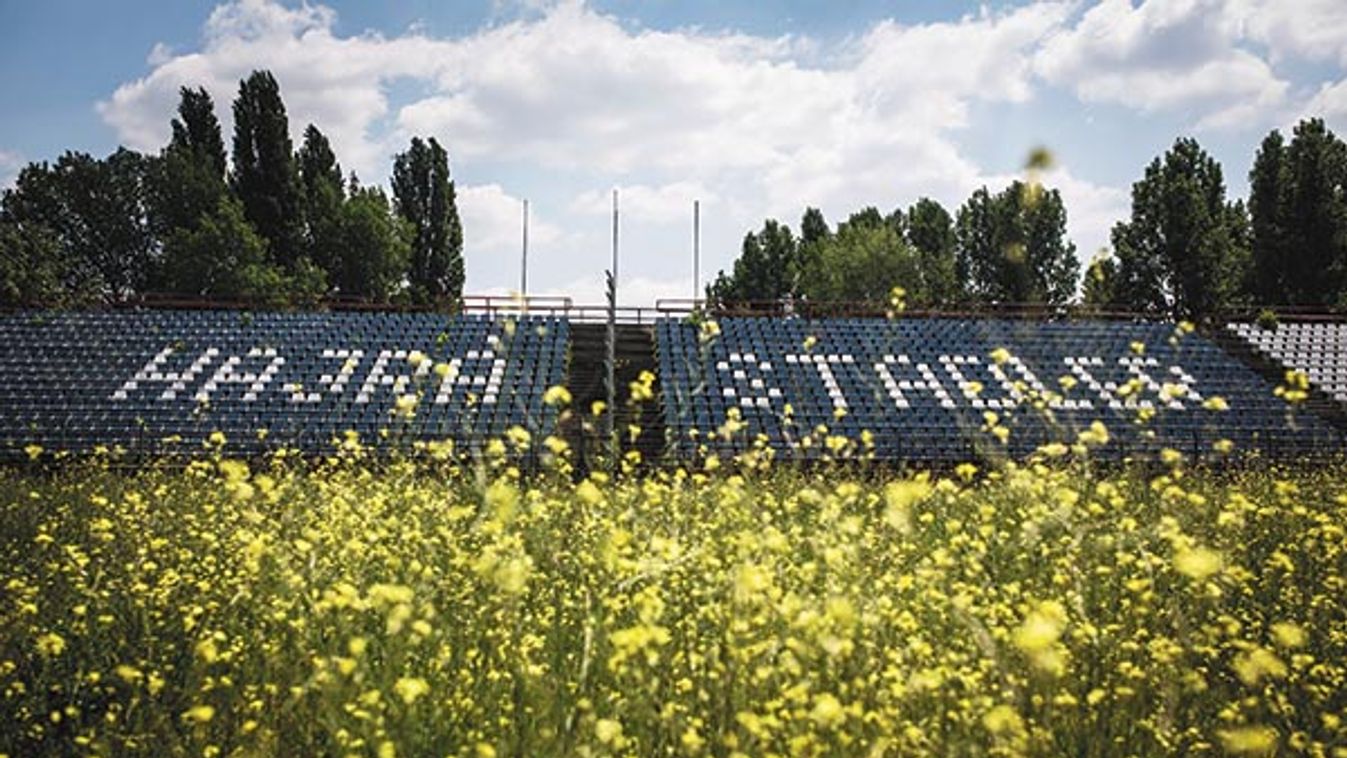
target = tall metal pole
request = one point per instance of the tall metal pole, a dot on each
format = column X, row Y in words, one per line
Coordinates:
column 696, row 249
column 524, row 262
column 609, row 418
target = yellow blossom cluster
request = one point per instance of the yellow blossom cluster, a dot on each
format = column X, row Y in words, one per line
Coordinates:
column 445, row 606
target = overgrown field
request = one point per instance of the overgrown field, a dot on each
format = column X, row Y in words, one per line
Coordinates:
column 415, row 610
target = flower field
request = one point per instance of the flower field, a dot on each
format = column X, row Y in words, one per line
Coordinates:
column 417, row 609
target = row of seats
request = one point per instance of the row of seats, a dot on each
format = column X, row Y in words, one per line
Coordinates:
column 1317, row 349
column 924, row 388
column 156, row 380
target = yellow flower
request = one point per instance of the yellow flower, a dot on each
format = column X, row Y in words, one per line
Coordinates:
column 899, row 497
column 51, row 644
column 1288, row 634
column 1259, row 663
column 199, row 714
column 1216, row 404
column 1002, row 719
column 1094, row 436
column 557, row 395
column 405, row 406
column 588, row 493
column 410, row 689
column 608, row 731
column 1197, row 563
column 1000, row 355
column 828, row 711
column 1249, row 740
column 1041, row 628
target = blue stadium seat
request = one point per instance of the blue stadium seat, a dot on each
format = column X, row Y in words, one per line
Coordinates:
column 923, row 388
column 159, row 381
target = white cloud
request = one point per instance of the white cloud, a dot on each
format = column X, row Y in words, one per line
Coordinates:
column 665, row 204
column 1330, row 103
column 1091, row 211
column 561, row 102
column 334, row 82
column 10, row 163
column 1312, row 29
column 493, row 233
column 1163, row 55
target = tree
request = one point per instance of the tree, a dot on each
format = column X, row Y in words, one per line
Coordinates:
column 1012, row 246
column 1100, row 286
column 32, row 268
column 813, row 227
column 423, row 194
column 930, row 232
column 1184, row 251
column 1315, row 216
column 198, row 130
column 265, row 179
column 324, row 192
column 765, row 270
column 221, row 256
column 371, row 258
column 1269, row 185
column 864, row 261
column 96, row 211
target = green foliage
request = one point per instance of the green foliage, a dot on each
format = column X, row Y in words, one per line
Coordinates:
column 221, row 256
column 31, row 267
column 767, row 268
column 1267, row 320
column 198, row 130
column 424, row 196
column 1012, row 247
column 1269, row 185
column 930, row 232
column 265, row 178
column 1100, row 288
column 324, row 193
column 1185, row 250
column 96, row 210
column 863, row 261
column 1298, row 200
column 374, row 247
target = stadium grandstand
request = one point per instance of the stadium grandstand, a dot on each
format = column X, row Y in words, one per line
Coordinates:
column 916, row 388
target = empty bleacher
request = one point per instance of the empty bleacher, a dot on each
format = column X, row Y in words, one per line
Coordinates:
column 917, row 389
column 1317, row 349
column 163, row 381
column 922, row 388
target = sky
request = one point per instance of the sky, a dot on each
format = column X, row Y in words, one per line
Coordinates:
column 756, row 109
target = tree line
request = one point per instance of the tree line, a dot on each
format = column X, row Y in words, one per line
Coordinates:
column 1185, row 251
column 274, row 225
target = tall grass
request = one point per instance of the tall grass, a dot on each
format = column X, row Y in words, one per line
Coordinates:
column 337, row 608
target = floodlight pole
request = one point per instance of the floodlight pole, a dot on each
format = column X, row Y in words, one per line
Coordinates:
column 696, row 249
column 609, row 417
column 524, row 260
